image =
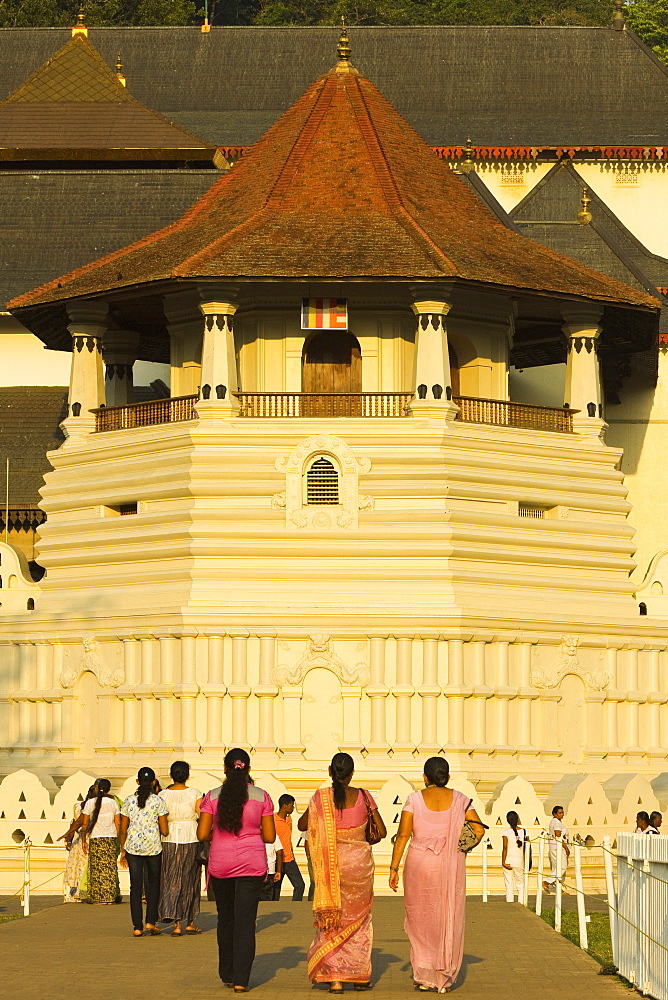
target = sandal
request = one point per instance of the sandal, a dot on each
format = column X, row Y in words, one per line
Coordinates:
column 193, row 930
column 154, row 931
column 337, row 990
column 137, row 933
column 360, row 987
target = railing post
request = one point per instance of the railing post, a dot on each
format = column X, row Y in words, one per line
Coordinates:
column 486, row 847
column 539, row 874
column 525, row 880
column 557, row 886
column 612, row 896
column 582, row 917
column 26, row 876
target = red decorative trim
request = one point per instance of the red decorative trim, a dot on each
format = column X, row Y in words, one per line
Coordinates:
column 641, row 153
column 663, row 338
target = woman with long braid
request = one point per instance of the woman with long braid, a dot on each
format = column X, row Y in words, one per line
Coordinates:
column 336, row 820
column 237, row 818
column 99, row 839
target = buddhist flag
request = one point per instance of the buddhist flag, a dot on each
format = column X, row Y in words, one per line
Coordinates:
column 324, row 314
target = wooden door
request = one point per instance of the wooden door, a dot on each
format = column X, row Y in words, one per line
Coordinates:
column 332, row 363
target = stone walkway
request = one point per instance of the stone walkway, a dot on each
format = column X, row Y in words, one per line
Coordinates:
column 61, row 950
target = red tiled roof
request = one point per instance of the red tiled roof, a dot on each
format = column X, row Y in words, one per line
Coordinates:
column 75, row 104
column 340, row 187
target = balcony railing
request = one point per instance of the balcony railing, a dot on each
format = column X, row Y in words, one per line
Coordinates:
column 503, row 413
column 323, row 404
column 155, row 411
column 499, row 412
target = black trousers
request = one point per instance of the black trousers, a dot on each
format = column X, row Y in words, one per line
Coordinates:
column 144, row 874
column 291, row 869
column 236, row 902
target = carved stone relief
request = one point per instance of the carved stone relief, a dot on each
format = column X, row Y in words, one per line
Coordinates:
column 594, row 675
column 319, row 652
column 345, row 514
column 91, row 659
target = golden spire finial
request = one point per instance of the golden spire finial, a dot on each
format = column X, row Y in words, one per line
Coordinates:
column 343, row 49
column 80, row 27
column 584, row 215
column 618, row 20
column 119, row 70
column 467, row 163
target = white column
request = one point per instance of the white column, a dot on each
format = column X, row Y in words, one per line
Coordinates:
column 429, row 691
column 266, row 692
column 583, row 380
column 119, row 351
column 632, row 705
column 481, row 692
column 220, row 377
column 432, row 386
column 351, row 697
column 502, row 696
column 403, row 691
column 525, row 696
column 189, row 691
column 87, row 326
column 127, row 693
column 239, row 689
column 164, row 691
column 377, row 692
column 456, row 693
column 214, row 692
column 292, row 747
column 654, row 700
column 145, row 691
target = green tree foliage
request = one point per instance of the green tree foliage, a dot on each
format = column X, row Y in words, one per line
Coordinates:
column 649, row 19
column 56, row 13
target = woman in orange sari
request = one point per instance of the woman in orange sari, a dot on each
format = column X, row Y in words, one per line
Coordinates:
column 343, row 869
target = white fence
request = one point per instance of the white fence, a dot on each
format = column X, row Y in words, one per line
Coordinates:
column 642, row 924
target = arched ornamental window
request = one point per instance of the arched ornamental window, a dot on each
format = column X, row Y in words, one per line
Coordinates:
column 322, row 482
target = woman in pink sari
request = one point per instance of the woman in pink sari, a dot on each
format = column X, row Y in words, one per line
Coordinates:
column 343, row 869
column 434, row 876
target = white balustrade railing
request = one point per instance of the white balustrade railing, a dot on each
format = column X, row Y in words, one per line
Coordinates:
column 642, row 905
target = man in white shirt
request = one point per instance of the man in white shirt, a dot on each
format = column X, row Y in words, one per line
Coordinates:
column 558, row 842
column 274, row 867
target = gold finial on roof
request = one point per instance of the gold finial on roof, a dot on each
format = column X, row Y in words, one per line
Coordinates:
column 119, row 70
column 584, row 215
column 80, row 27
column 343, row 49
column 467, row 163
column 618, row 20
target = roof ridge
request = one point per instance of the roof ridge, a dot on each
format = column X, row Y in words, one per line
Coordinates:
column 303, row 140
column 388, row 183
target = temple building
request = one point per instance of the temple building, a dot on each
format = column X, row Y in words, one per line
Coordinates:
column 356, row 451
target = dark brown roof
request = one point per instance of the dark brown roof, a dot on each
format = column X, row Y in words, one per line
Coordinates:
column 55, row 220
column 74, row 106
column 29, row 419
column 504, row 86
column 340, row 187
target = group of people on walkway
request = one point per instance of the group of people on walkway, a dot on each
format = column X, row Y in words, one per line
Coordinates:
column 153, row 833
column 163, row 836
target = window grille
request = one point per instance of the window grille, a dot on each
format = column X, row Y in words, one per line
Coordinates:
column 322, row 483
column 526, row 510
column 127, row 508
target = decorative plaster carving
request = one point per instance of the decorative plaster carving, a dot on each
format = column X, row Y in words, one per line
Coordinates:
column 345, row 514
column 319, row 653
column 91, row 660
column 568, row 662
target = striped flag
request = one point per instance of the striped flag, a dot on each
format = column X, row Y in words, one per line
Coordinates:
column 324, row 314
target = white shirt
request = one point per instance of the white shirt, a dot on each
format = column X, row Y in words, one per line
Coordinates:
column 182, row 816
column 105, row 826
column 557, row 825
column 514, row 854
column 271, row 850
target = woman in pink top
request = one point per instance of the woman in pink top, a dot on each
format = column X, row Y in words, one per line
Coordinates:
column 343, row 869
column 238, row 819
column 434, row 876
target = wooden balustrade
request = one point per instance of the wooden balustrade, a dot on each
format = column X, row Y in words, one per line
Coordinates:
column 499, row 412
column 504, row 413
column 323, row 404
column 155, row 411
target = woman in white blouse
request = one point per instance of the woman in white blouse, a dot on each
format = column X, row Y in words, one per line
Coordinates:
column 180, row 876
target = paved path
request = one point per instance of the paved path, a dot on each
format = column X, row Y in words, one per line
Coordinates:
column 510, row 955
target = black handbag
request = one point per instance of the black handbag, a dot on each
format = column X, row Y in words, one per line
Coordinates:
column 372, row 832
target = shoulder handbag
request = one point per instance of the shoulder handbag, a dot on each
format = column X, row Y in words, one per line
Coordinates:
column 372, row 833
column 468, row 838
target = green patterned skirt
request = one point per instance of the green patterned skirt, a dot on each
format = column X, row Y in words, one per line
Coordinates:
column 102, row 869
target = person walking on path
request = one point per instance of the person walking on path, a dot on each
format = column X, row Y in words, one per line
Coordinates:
column 75, row 880
column 283, row 821
column 558, row 842
column 99, row 840
column 655, row 821
column 274, row 868
column 336, row 820
column 180, row 872
column 238, row 820
column 512, row 857
column 143, row 819
column 434, row 876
